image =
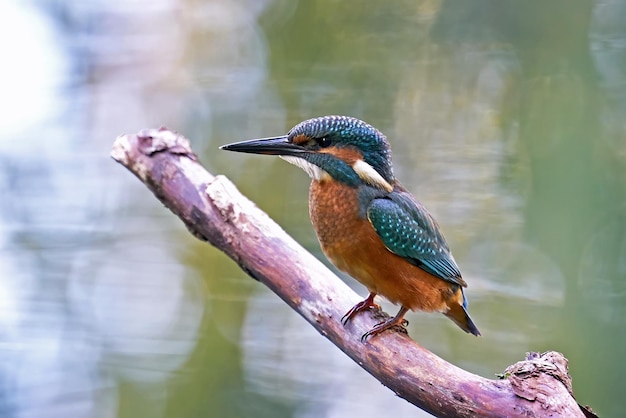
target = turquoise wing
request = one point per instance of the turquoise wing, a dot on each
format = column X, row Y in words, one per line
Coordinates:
column 408, row 230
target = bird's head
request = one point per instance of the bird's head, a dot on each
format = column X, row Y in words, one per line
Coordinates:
column 340, row 147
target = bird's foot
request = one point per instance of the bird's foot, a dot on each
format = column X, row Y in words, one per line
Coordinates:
column 397, row 322
column 384, row 326
column 359, row 307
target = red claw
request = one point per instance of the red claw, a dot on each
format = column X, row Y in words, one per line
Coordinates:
column 359, row 307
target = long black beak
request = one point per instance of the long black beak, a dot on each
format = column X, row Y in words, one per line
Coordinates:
column 270, row 146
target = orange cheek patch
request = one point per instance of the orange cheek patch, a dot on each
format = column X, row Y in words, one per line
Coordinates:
column 349, row 155
column 301, row 139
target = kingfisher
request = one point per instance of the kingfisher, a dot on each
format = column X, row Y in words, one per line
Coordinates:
column 367, row 223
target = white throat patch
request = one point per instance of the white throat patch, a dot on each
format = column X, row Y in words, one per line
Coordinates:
column 367, row 173
column 312, row 170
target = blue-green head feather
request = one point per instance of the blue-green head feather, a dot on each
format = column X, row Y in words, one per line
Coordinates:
column 346, row 131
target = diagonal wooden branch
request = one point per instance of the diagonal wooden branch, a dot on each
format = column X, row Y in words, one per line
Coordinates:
column 214, row 211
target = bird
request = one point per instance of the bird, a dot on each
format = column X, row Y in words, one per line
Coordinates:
column 368, row 225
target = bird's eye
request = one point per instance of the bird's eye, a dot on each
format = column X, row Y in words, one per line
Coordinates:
column 323, row 142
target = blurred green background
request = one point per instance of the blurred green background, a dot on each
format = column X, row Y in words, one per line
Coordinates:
column 506, row 118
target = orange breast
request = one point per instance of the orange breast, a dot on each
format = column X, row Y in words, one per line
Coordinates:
column 352, row 244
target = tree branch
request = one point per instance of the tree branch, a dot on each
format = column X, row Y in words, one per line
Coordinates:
column 214, row 211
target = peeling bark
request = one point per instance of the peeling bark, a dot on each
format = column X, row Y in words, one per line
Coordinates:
column 214, row 211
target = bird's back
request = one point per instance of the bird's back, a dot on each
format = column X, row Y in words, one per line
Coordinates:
column 352, row 244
